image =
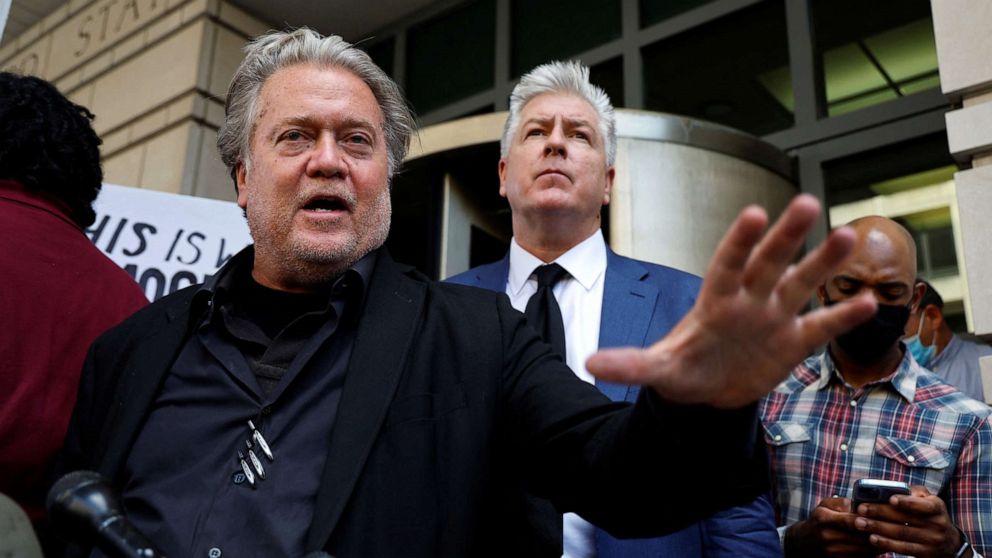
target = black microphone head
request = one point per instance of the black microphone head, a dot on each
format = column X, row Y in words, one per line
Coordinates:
column 85, row 507
column 80, row 503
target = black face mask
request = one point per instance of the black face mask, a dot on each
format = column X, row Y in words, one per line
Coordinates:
column 868, row 342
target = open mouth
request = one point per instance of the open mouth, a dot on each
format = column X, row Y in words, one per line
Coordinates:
column 329, row 204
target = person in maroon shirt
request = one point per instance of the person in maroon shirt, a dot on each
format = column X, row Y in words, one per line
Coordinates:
column 58, row 292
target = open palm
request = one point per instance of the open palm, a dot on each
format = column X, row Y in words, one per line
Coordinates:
column 745, row 333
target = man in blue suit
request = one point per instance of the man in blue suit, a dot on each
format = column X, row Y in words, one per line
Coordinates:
column 556, row 170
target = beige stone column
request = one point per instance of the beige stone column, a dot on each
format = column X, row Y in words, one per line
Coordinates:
column 154, row 72
column 680, row 183
column 964, row 55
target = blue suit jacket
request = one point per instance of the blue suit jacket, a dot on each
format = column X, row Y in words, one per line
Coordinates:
column 642, row 302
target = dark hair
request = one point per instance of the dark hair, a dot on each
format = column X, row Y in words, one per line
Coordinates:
column 48, row 144
column 930, row 296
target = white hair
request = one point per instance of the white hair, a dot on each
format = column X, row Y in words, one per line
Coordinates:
column 562, row 77
column 269, row 53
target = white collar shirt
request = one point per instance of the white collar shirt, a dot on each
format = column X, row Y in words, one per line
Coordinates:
column 580, row 297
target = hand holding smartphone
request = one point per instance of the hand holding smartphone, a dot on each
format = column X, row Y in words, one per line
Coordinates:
column 876, row 491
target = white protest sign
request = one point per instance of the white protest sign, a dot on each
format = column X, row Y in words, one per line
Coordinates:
column 166, row 241
column 4, row 12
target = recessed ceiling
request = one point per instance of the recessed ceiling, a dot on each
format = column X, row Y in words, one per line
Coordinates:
column 352, row 20
column 25, row 13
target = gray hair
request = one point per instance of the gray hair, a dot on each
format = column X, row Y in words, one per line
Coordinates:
column 273, row 51
column 562, row 77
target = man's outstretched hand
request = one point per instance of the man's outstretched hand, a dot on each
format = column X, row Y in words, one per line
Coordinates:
column 745, row 333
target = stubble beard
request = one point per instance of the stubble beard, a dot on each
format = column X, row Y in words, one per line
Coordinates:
column 306, row 264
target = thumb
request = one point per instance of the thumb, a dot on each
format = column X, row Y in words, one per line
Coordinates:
column 626, row 365
column 837, row 504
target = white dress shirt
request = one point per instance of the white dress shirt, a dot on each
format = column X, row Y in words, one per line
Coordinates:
column 580, row 297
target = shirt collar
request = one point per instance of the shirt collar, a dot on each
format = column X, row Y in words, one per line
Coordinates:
column 585, row 262
column 947, row 354
column 903, row 380
column 215, row 288
column 18, row 192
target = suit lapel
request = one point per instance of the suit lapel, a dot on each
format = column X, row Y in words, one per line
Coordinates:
column 145, row 368
column 628, row 304
column 393, row 311
column 494, row 276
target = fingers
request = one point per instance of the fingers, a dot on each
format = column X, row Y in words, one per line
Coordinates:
column 741, row 260
column 837, row 504
column 626, row 365
column 826, row 533
column 723, row 275
column 836, row 513
column 801, row 280
column 909, row 539
column 925, row 534
column 837, row 542
column 906, row 508
column 912, row 525
column 921, row 506
column 887, row 513
column 899, row 546
column 776, row 251
column 823, row 324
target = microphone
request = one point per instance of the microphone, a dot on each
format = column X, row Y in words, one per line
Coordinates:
column 17, row 538
column 84, row 506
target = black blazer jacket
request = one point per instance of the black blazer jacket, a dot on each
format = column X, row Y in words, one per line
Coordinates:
column 451, row 405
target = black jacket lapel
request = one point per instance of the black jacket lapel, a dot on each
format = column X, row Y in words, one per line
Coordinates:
column 385, row 332
column 143, row 373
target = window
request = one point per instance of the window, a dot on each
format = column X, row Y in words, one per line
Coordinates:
column 728, row 71
column 936, row 255
column 911, row 182
column 873, row 52
column 382, row 54
column 609, row 76
column 889, row 170
column 546, row 30
column 653, row 11
column 451, row 57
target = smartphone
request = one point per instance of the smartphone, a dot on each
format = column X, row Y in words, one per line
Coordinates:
column 876, row 491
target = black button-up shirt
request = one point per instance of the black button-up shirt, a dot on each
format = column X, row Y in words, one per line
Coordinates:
column 276, row 359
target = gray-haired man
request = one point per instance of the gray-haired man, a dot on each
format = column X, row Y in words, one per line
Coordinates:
column 317, row 395
column 556, row 169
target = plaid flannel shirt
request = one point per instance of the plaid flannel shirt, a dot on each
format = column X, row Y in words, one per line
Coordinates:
column 823, row 435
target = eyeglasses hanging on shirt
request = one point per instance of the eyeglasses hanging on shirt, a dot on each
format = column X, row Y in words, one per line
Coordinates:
column 254, row 441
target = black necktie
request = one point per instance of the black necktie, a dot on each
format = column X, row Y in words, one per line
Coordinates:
column 542, row 310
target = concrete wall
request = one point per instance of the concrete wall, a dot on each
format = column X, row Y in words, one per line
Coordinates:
column 964, row 44
column 154, row 72
column 672, row 203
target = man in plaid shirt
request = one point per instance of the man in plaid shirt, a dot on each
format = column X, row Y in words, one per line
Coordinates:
column 866, row 409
